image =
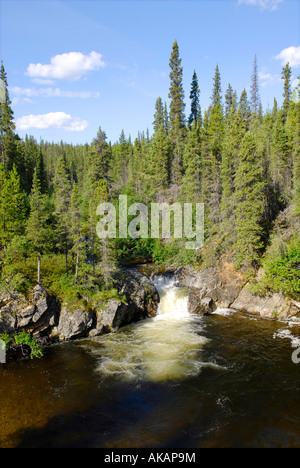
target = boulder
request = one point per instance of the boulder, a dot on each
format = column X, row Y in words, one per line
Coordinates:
column 140, row 300
column 200, row 306
column 72, row 324
column 222, row 285
column 273, row 306
column 42, row 315
column 115, row 315
column 139, row 292
column 36, row 313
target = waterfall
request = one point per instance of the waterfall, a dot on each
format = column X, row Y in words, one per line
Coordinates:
column 166, row 347
column 173, row 300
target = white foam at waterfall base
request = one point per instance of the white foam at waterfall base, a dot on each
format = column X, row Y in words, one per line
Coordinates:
column 166, row 347
column 223, row 311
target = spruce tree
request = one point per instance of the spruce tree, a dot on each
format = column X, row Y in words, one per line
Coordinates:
column 2, row 207
column 41, row 172
column 230, row 101
column 255, row 100
column 280, row 170
column 158, row 164
column 176, row 93
column 166, row 119
column 212, row 155
column 121, row 154
column 286, row 76
column 249, row 202
column 100, row 156
column 37, row 228
column 7, row 126
column 137, row 167
column 62, row 196
column 296, row 156
column 216, row 118
column 177, row 130
column 159, row 115
column 234, row 133
column 191, row 186
column 101, row 250
column 194, row 97
column 14, row 205
column 244, row 109
column 216, row 98
column 77, row 229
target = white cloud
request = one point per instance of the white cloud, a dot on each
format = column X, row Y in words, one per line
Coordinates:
column 263, row 4
column 52, row 92
column 267, row 78
column 54, row 120
column 69, row 66
column 42, row 81
column 291, row 55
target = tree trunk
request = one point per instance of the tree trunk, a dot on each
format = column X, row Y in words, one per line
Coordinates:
column 66, row 261
column 76, row 267
column 39, row 270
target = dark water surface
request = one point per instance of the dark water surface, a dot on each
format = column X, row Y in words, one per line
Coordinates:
column 176, row 381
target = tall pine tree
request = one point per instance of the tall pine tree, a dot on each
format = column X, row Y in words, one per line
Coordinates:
column 7, row 126
column 14, row 205
column 249, row 208
column 194, row 97
column 37, row 225
column 176, row 92
column 255, row 100
column 296, row 156
column 62, row 196
column 159, row 115
column 286, row 76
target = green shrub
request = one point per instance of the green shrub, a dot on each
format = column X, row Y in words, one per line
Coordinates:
column 6, row 338
column 23, row 338
column 282, row 270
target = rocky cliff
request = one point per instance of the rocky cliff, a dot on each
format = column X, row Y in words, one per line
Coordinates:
column 226, row 287
column 44, row 317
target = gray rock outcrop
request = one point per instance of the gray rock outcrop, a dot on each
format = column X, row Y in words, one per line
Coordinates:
column 44, row 317
column 211, row 287
column 35, row 314
column 225, row 287
column 273, row 306
column 140, row 301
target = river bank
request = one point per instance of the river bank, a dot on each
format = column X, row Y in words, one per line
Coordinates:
column 176, row 380
column 227, row 287
column 43, row 316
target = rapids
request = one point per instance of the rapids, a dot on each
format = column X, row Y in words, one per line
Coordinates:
column 172, row 381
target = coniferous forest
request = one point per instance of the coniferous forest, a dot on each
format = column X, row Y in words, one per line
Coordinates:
column 240, row 160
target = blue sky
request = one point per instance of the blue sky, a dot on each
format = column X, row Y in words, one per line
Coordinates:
column 74, row 66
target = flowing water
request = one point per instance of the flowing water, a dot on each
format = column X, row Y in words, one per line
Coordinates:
column 172, row 381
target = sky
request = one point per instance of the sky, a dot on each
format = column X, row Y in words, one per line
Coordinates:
column 75, row 66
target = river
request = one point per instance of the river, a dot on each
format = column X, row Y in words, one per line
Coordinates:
column 172, row 381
